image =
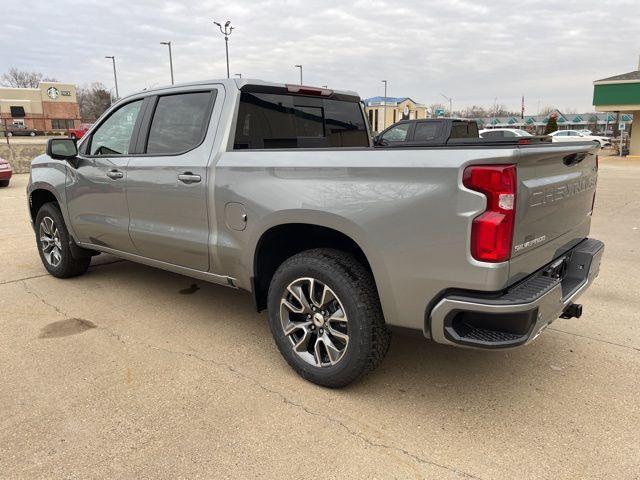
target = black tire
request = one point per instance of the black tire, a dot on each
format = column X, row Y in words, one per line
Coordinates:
column 4, row 183
column 68, row 266
column 353, row 284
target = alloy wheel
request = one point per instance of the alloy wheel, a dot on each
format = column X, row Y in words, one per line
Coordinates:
column 314, row 321
column 50, row 242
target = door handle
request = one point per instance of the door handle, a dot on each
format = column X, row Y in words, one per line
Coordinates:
column 115, row 174
column 188, row 177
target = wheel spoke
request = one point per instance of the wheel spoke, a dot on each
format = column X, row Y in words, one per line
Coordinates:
column 338, row 316
column 327, row 296
column 333, row 352
column 298, row 294
column 338, row 334
column 302, row 346
column 292, row 307
column 44, row 226
column 317, row 354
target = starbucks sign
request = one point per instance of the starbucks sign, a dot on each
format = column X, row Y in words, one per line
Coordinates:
column 53, row 93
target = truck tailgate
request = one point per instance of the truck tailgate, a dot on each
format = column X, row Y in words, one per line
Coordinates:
column 556, row 188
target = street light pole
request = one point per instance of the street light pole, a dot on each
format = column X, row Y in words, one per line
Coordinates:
column 450, row 104
column 226, row 32
column 300, row 67
column 168, row 44
column 384, row 120
column 115, row 77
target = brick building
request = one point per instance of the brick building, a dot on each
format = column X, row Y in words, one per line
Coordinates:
column 50, row 107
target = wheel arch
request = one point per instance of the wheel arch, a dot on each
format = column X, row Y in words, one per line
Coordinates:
column 40, row 194
column 281, row 240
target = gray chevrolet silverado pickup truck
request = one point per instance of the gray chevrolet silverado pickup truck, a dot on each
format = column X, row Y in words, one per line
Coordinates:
column 278, row 190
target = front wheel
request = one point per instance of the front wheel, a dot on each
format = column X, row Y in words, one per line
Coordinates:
column 54, row 248
column 32, row 134
column 326, row 318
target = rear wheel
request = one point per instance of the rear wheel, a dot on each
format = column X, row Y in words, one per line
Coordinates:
column 4, row 183
column 325, row 317
column 53, row 240
column 32, row 134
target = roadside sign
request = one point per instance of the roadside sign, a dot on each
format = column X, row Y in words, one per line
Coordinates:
column 621, row 126
column 439, row 112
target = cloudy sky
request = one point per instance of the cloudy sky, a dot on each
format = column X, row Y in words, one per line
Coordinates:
column 473, row 51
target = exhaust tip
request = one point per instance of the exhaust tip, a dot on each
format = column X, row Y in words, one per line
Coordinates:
column 573, row 310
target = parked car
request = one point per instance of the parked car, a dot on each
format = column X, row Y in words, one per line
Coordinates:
column 21, row 130
column 504, row 133
column 576, row 136
column 430, row 131
column 5, row 172
column 78, row 133
column 278, row 190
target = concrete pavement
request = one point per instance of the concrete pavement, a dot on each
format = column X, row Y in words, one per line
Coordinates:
column 132, row 372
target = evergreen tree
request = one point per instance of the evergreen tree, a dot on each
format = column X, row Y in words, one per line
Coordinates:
column 552, row 125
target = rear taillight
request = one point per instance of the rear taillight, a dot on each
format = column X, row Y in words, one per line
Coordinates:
column 492, row 231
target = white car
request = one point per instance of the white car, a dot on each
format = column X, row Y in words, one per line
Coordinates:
column 503, row 133
column 576, row 136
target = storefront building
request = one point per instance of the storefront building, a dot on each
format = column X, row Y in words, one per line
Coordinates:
column 602, row 123
column 621, row 93
column 50, row 107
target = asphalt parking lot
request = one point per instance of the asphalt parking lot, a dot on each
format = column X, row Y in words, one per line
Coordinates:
column 131, row 372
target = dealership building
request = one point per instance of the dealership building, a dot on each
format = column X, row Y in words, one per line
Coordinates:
column 52, row 106
column 396, row 109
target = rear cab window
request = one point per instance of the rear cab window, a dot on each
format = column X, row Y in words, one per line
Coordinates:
column 281, row 120
column 462, row 129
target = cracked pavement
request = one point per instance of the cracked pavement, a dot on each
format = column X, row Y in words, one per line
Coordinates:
column 131, row 372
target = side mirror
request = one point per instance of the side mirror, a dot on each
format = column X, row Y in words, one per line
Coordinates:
column 62, row 149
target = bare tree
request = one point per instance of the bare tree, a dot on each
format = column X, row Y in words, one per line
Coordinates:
column 23, row 79
column 474, row 111
column 93, row 100
column 547, row 110
column 433, row 107
column 500, row 110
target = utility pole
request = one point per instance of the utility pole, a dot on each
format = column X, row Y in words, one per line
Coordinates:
column 450, row 104
column 300, row 67
column 384, row 122
column 115, row 77
column 170, row 58
column 226, row 32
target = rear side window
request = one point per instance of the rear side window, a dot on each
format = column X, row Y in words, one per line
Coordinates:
column 493, row 134
column 179, row 122
column 267, row 120
column 464, row 130
column 426, row 131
